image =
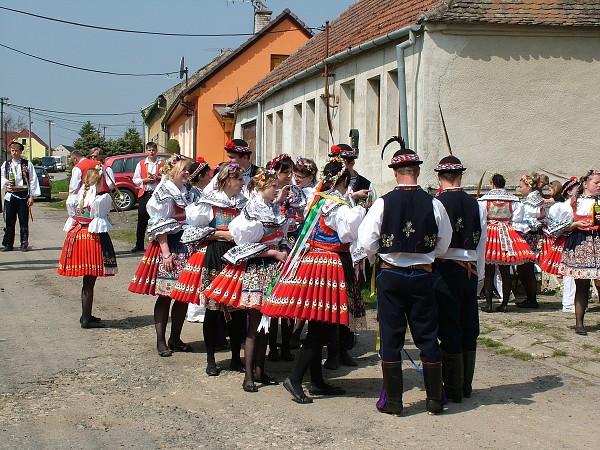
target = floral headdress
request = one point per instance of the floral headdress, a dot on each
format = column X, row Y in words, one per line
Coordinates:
column 332, row 178
column 278, row 158
column 342, row 151
column 232, row 167
column 309, row 166
column 170, row 163
column 590, row 173
column 238, row 146
column 201, row 165
column 266, row 174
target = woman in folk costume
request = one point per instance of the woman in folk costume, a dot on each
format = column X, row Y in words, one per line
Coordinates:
column 88, row 250
column 166, row 256
column 259, row 232
column 216, row 210
column 558, row 217
column 187, row 287
column 581, row 253
column 318, row 283
column 530, row 227
column 505, row 246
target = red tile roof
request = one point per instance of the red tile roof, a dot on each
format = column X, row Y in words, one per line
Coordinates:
column 366, row 20
column 576, row 13
column 23, row 134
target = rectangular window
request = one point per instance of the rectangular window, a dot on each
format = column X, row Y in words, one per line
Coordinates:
column 269, row 136
column 323, row 143
column 297, row 134
column 276, row 60
column 278, row 133
column 310, row 149
column 392, row 108
column 373, row 110
column 346, row 109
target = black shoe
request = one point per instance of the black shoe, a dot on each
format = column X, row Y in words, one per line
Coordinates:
column 287, row 355
column 212, row 370
column 237, row 366
column 89, row 324
column 24, row 248
column 487, row 309
column 164, row 353
column 581, row 331
column 530, row 304
column 325, row 389
column 267, row 380
column 297, row 393
column 180, row 346
column 249, row 387
column 8, row 249
column 91, row 319
column 347, row 360
column 332, row 363
column 137, row 249
column 501, row 308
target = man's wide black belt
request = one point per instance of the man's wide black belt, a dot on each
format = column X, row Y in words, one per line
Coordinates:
column 425, row 267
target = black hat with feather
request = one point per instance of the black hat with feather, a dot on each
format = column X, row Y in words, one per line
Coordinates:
column 403, row 157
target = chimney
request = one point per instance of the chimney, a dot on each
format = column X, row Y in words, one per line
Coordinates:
column 262, row 16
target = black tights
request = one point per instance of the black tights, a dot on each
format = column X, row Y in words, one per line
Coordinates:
column 255, row 348
column 235, row 328
column 87, row 297
column 488, row 284
column 287, row 328
column 527, row 277
column 582, row 290
column 311, row 353
column 161, row 318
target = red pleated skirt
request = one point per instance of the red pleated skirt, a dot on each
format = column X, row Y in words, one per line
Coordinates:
column 144, row 280
column 316, row 291
column 226, row 288
column 551, row 254
column 82, row 255
column 506, row 246
column 187, row 289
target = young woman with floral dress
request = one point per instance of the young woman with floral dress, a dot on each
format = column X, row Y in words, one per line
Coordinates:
column 166, row 256
column 259, row 232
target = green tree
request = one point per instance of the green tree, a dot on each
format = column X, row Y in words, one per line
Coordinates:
column 130, row 142
column 173, row 146
column 89, row 137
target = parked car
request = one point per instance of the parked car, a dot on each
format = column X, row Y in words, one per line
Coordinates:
column 48, row 163
column 61, row 162
column 45, row 181
column 123, row 167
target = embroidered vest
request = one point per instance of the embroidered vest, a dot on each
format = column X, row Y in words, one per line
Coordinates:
column 408, row 224
column 84, row 166
column 271, row 233
column 144, row 173
column 463, row 211
column 24, row 171
column 326, row 238
column 83, row 215
column 222, row 217
column 179, row 214
column 500, row 211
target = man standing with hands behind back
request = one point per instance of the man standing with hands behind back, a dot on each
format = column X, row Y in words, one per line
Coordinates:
column 146, row 177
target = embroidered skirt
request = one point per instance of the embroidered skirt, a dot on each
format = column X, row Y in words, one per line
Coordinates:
column 243, row 285
column 581, row 255
column 213, row 264
column 151, row 278
column 323, row 288
column 506, row 246
column 86, row 253
column 551, row 254
column 187, row 288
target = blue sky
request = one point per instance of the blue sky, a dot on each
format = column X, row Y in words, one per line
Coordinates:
column 29, row 82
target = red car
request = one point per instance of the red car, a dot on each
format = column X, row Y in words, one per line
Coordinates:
column 123, row 167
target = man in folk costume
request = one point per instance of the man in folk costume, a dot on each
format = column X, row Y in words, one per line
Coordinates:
column 456, row 276
column 407, row 229
column 20, row 184
column 147, row 176
column 81, row 166
column 238, row 152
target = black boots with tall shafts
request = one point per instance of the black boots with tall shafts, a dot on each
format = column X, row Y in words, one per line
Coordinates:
column 453, row 375
column 394, row 387
column 433, row 386
column 468, row 371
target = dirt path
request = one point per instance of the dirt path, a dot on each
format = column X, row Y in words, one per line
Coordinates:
column 64, row 387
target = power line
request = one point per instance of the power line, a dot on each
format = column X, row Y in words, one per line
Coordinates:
column 76, row 113
column 106, row 72
column 155, row 33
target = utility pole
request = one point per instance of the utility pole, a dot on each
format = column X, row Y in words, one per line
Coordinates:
column 50, row 123
column 3, row 146
column 30, row 151
column 105, row 127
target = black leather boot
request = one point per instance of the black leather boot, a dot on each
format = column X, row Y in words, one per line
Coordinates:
column 452, row 374
column 469, row 371
column 433, row 387
column 394, row 387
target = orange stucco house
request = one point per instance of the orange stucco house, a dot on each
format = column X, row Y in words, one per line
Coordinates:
column 199, row 118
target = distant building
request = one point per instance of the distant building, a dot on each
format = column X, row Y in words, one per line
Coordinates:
column 517, row 82
column 63, row 150
column 38, row 147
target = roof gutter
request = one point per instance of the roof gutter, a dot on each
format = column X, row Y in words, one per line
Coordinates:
column 382, row 40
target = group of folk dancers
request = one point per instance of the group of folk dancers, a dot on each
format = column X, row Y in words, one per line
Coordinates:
column 253, row 247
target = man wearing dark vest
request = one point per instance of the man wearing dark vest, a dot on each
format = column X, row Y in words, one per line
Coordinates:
column 238, row 152
column 20, row 184
column 456, row 276
column 407, row 229
column 147, row 175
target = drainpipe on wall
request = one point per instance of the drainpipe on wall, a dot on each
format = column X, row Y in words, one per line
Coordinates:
column 259, row 134
column 402, row 104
